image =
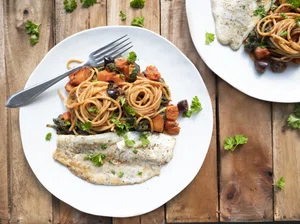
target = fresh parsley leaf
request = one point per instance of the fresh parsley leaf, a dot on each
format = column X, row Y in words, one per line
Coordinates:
column 97, row 159
column 113, row 172
column 283, row 15
column 196, row 107
column 104, row 146
column 140, row 173
column 121, row 128
column 262, row 45
column 67, row 123
column 232, row 142
column 120, row 174
column 293, row 122
column 129, row 110
column 70, row 5
column 122, row 15
column 144, row 139
column 243, row 6
column 135, row 151
column 138, row 21
column 33, row 30
column 284, row 33
column 280, row 183
column 86, row 126
column 129, row 143
column 131, row 57
column 298, row 21
column 138, row 4
column 295, row 3
column 48, row 136
column 122, row 101
column 88, row 3
column 93, row 110
column 121, row 75
column 273, row 6
column 260, row 11
column 209, row 38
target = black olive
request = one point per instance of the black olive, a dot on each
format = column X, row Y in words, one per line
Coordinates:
column 114, row 93
column 183, row 106
column 278, row 66
column 261, row 65
column 108, row 60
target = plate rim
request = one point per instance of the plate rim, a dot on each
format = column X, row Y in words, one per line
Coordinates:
column 208, row 107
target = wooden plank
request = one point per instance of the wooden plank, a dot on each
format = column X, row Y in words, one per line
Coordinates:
column 286, row 154
column 246, row 192
column 66, row 25
column 4, row 209
column 151, row 12
column 30, row 202
column 198, row 202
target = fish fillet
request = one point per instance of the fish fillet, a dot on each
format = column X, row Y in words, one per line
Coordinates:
column 137, row 167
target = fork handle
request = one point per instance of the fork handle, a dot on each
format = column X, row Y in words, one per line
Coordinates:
column 25, row 96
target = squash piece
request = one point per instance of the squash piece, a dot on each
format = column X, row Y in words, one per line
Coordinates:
column 172, row 127
column 158, row 123
column 69, row 87
column 118, row 79
column 152, row 73
column 121, row 63
column 172, row 113
column 79, row 76
column 105, row 76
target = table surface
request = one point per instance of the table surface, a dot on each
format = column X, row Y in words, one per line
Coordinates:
column 229, row 187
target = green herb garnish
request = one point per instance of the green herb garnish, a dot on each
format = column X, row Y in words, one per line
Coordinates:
column 113, row 172
column 129, row 143
column 135, row 151
column 70, row 5
column 280, row 183
column 97, row 159
column 104, row 146
column 93, row 110
column 144, row 139
column 295, row 3
column 48, row 136
column 131, row 57
column 260, row 11
column 138, row 21
column 122, row 15
column 209, row 38
column 33, row 30
column 140, row 173
column 138, row 4
column 129, row 110
column 298, row 21
column 121, row 128
column 88, row 3
column 122, row 101
column 232, row 142
column 284, row 33
column 86, row 126
column 196, row 107
column 120, row 174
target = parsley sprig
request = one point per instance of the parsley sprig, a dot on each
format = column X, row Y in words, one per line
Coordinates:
column 232, row 142
column 209, row 38
column 138, row 4
column 294, row 118
column 33, row 30
column 70, row 5
column 97, row 160
column 88, row 3
column 280, row 183
column 144, row 139
column 121, row 127
column 138, row 21
column 196, row 107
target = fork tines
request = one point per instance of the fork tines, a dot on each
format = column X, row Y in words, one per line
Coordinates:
column 113, row 49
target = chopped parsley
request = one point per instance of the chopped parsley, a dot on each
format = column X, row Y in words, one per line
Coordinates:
column 88, row 3
column 48, row 136
column 104, row 146
column 70, row 5
column 294, row 119
column 283, row 15
column 86, row 126
column 129, row 143
column 298, row 21
column 138, row 4
column 284, row 33
column 131, row 57
column 67, row 123
column 280, row 183
column 122, row 101
column 93, row 110
column 273, row 6
column 260, row 11
column 209, row 38
column 120, row 174
column 33, row 30
column 232, row 142
column 140, row 173
column 122, row 15
column 135, row 151
column 113, row 172
column 295, row 3
column 144, row 139
column 121, row 127
column 138, row 21
column 97, row 159
column 196, row 107
column 129, row 110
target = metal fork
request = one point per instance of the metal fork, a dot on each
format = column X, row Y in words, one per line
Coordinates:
column 96, row 59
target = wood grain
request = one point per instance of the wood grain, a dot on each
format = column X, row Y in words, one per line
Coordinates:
column 286, row 154
column 151, row 12
column 189, row 205
column 4, row 209
column 29, row 200
column 66, row 25
column 246, row 192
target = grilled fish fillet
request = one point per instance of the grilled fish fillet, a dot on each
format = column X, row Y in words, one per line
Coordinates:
column 235, row 19
column 136, row 167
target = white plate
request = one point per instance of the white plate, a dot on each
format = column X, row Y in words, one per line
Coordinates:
column 237, row 68
column 117, row 201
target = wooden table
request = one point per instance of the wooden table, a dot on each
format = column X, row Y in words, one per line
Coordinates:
column 229, row 187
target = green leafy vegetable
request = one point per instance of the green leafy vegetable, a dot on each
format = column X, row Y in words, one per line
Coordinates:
column 135, row 151
column 70, row 5
column 138, row 21
column 295, row 3
column 122, row 101
column 260, row 11
column 144, row 139
column 121, row 128
column 284, row 33
column 131, row 57
column 88, row 3
column 298, row 21
column 104, row 146
column 209, row 38
column 139, row 4
column 232, row 142
column 293, row 122
column 122, row 15
column 129, row 110
column 48, row 136
column 97, row 159
column 196, row 107
column 86, row 126
column 280, row 183
column 120, row 174
column 129, row 143
column 93, row 110
column 113, row 172
column 283, row 15
column 140, row 173
column 33, row 30
column 273, row 6
column 67, row 123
